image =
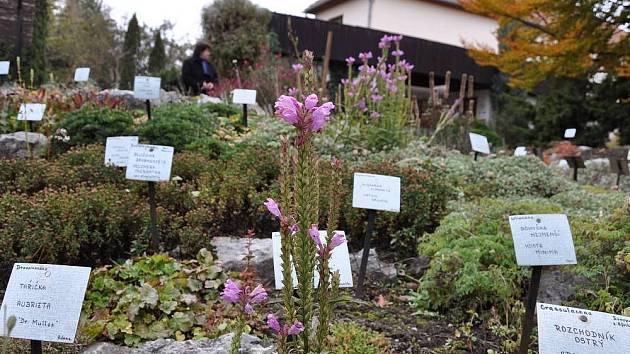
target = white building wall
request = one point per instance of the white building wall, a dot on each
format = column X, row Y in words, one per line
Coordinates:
column 417, row 18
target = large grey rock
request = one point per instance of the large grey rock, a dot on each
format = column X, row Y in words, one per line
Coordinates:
column 376, row 270
column 14, row 145
column 221, row 345
column 232, row 250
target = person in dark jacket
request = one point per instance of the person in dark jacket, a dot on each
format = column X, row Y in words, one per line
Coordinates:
column 198, row 75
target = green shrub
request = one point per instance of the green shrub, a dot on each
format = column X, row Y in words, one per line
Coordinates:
column 351, row 338
column 504, row 177
column 589, row 201
column 93, row 126
column 153, row 297
column 473, row 266
column 424, row 195
column 87, row 226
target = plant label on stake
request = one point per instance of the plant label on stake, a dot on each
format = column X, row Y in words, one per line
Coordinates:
column 542, row 240
column 82, row 74
column 146, row 87
column 479, row 143
column 241, row 96
column 149, row 163
column 520, row 151
column 628, row 157
column 46, row 300
column 117, row 150
column 570, row 133
column 539, row 240
column 4, row 67
column 31, row 111
column 339, row 261
column 570, row 330
column 373, row 192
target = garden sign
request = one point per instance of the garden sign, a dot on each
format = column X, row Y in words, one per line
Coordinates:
column 31, row 111
column 117, row 150
column 149, row 163
column 567, row 330
column 479, row 144
column 339, row 261
column 146, row 87
column 46, row 300
column 4, row 67
column 82, row 74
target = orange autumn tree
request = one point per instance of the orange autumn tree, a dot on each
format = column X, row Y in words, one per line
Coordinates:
column 562, row 38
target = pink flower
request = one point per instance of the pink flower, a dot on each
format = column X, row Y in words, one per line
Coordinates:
column 365, row 56
column 375, row 115
column 397, row 38
column 273, row 207
column 259, row 294
column 407, row 66
column 294, row 229
column 272, row 322
column 335, row 162
column 384, row 42
column 377, row 98
column 287, row 108
column 314, row 234
column 296, row 328
column 350, row 61
column 231, row 292
column 292, row 91
column 361, row 105
column 371, row 70
column 398, row 53
column 402, row 78
column 336, row 240
column 321, row 115
column 297, row 67
column 311, row 101
column 344, row 81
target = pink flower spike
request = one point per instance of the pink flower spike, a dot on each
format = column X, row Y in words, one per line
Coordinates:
column 321, row 115
column 350, row 60
column 272, row 322
column 336, row 240
column 375, row 115
column 311, row 101
column 314, row 234
column 297, row 67
column 273, row 207
column 397, row 38
column 292, row 91
column 248, row 309
column 398, row 53
column 231, row 292
column 259, row 294
column 287, row 108
column 296, row 328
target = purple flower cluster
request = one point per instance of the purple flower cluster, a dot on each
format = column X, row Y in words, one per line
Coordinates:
column 233, row 294
column 307, row 116
column 296, row 328
column 386, row 41
column 324, row 250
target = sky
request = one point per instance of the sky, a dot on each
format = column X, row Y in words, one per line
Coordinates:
column 186, row 14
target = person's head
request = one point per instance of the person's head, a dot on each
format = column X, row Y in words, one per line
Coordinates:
column 202, row 50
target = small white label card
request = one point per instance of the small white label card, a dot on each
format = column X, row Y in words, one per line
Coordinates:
column 244, row 96
column 520, row 151
column 479, row 143
column 339, row 261
column 568, row 330
column 149, row 163
column 570, row 133
column 543, row 239
column 31, row 111
column 46, row 300
column 117, row 150
column 4, row 67
column 376, row 192
column 146, row 87
column 82, row 74
column 628, row 158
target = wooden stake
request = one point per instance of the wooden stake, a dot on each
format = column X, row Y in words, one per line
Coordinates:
column 329, row 39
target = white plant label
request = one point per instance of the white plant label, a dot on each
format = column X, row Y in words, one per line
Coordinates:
column 46, row 300
column 570, row 133
column 376, row 192
column 82, row 74
column 149, row 163
column 117, row 150
column 543, row 239
column 339, row 261
column 479, row 143
column 31, row 111
column 146, row 87
column 567, row 330
column 244, row 96
column 4, row 67
column 628, row 157
column 520, row 151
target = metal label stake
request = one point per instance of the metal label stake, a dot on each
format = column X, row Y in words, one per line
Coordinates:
column 371, row 216
column 528, row 318
column 154, row 245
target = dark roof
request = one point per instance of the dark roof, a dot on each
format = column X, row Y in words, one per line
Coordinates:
column 321, row 5
column 426, row 56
